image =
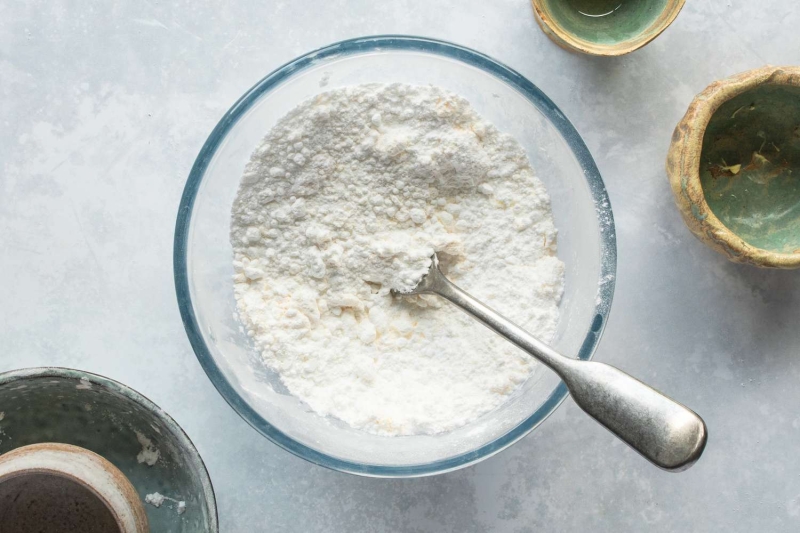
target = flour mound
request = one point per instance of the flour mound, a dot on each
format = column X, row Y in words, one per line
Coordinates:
column 347, row 197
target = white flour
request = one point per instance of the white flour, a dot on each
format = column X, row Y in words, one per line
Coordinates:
column 157, row 499
column 347, row 197
column 149, row 454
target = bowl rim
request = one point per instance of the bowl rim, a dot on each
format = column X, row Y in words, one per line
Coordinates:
column 393, row 43
column 570, row 42
column 195, row 458
column 684, row 159
column 93, row 472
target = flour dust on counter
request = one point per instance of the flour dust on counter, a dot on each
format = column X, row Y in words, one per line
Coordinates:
column 346, row 198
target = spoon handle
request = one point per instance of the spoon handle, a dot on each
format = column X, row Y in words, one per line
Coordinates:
column 665, row 432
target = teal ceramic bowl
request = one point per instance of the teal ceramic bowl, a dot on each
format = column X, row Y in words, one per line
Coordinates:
column 74, row 407
column 605, row 27
column 751, row 147
column 734, row 167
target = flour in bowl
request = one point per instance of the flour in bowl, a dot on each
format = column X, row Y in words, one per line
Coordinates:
column 347, row 197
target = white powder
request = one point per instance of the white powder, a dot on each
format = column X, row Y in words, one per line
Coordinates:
column 157, row 499
column 149, row 454
column 347, row 197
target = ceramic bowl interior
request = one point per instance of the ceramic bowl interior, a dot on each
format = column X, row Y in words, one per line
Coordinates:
column 73, row 407
column 750, row 166
column 605, row 27
column 203, row 254
column 49, row 485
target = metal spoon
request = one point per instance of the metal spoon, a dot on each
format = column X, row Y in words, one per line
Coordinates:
column 665, row 432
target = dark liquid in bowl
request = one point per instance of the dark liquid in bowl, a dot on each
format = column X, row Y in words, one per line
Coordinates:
column 46, row 503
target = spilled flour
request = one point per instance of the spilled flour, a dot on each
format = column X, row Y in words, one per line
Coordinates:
column 149, row 454
column 157, row 499
column 346, row 198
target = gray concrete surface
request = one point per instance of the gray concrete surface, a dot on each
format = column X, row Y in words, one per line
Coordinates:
column 103, row 107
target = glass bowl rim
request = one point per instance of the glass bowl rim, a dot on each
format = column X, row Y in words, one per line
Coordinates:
column 394, row 43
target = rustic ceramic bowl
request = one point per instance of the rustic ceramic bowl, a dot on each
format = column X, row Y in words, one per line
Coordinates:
column 605, row 27
column 59, row 487
column 60, row 405
column 734, row 167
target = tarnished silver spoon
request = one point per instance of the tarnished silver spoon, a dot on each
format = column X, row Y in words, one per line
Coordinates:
column 665, row 432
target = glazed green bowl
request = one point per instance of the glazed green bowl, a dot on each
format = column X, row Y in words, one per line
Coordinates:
column 73, row 407
column 605, row 27
column 734, row 167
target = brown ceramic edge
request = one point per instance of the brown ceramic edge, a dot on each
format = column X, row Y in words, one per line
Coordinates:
column 683, row 164
column 121, row 480
column 210, row 500
column 574, row 44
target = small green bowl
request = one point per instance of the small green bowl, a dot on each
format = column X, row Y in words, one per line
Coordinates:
column 73, row 407
column 734, row 167
column 605, row 27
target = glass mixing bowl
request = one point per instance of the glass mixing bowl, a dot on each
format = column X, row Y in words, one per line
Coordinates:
column 203, row 255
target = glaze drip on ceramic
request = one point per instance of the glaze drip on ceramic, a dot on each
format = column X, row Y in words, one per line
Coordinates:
column 606, row 21
column 750, row 164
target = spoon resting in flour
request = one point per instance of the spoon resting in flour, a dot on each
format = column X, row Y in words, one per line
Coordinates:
column 665, row 432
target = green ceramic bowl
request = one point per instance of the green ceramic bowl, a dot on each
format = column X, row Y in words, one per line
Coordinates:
column 74, row 407
column 757, row 194
column 605, row 27
column 734, row 166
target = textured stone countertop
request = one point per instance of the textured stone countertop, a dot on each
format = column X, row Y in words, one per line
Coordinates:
column 103, row 109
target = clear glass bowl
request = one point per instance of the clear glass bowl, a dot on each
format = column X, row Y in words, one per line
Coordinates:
column 203, row 255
